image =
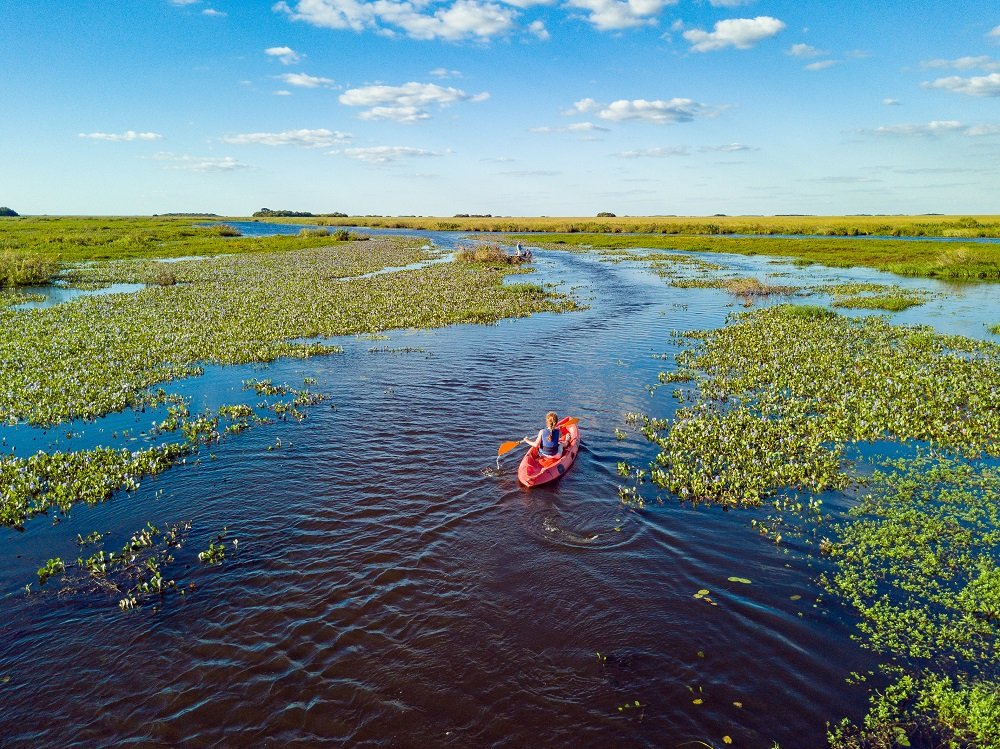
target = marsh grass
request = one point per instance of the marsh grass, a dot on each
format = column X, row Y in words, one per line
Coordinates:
column 314, row 232
column 830, row 226
column 895, row 303
column 903, row 257
column 490, row 253
column 78, row 239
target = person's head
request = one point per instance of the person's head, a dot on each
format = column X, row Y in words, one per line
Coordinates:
column 551, row 419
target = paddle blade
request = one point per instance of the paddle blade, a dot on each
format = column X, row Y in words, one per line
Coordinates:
column 568, row 421
column 506, row 447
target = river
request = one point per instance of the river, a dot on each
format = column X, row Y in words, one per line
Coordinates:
column 392, row 588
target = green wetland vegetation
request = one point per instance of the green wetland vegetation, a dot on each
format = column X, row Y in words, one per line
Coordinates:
column 913, row 257
column 778, row 407
column 244, row 301
column 781, row 400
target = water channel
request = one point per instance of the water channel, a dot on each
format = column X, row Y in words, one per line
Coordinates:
column 392, row 588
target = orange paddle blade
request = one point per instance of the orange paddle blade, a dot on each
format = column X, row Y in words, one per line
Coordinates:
column 506, row 447
column 568, row 421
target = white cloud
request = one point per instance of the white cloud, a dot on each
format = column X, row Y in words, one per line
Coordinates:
column 994, row 33
column 320, row 138
column 282, row 92
column 405, row 103
column 805, row 50
column 386, row 154
column 302, row 80
column 742, row 33
column 983, row 62
column 200, row 163
column 213, row 13
column 727, row 148
column 981, row 130
column 421, row 19
column 576, row 127
column 537, row 29
column 981, row 85
column 936, row 127
column 658, row 111
column 583, row 106
column 184, row 2
column 890, row 102
column 654, row 153
column 822, row 65
column 445, row 73
column 613, row 15
column 286, row 55
column 128, row 135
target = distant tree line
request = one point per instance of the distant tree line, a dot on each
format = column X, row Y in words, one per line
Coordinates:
column 195, row 215
column 473, row 215
column 264, row 212
column 5, row 211
column 293, row 214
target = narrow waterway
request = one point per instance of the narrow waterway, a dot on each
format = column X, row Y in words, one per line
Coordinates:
column 392, row 588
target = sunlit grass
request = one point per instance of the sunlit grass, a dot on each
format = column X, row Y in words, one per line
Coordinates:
column 972, row 261
column 845, row 226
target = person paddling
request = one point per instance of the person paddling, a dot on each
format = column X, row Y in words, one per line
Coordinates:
column 548, row 439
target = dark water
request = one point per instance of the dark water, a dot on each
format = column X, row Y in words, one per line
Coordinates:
column 392, row 589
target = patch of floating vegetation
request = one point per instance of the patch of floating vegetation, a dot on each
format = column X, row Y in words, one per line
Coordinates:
column 46, row 482
column 918, row 561
column 131, row 576
column 779, row 392
column 776, row 399
column 13, row 299
column 97, row 355
column 875, row 296
column 747, row 287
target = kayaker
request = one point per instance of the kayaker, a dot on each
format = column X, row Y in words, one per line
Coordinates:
column 548, row 439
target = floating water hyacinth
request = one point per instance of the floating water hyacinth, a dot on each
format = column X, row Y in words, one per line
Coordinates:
column 96, row 355
column 779, row 392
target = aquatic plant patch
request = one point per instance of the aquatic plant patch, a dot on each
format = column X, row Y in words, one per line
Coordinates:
column 875, row 296
column 918, row 562
column 778, row 393
column 45, row 481
column 130, row 576
column 96, row 355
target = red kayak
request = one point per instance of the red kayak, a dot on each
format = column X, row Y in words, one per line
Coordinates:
column 536, row 469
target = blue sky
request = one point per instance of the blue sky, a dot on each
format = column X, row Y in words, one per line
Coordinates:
column 523, row 107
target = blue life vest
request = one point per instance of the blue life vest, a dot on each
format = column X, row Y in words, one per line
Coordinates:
column 550, row 442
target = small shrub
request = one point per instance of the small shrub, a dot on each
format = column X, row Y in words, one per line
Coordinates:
column 225, row 230
column 18, row 269
column 751, row 287
column 314, row 232
column 165, row 277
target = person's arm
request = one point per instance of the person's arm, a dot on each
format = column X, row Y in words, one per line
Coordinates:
column 536, row 442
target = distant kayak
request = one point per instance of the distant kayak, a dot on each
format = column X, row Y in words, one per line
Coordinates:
column 535, row 469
